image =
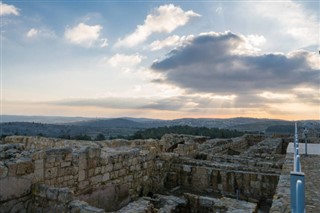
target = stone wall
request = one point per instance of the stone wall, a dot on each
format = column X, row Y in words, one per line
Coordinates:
column 224, row 180
column 92, row 171
column 36, row 173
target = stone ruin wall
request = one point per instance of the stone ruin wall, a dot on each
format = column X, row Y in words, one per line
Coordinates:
column 42, row 175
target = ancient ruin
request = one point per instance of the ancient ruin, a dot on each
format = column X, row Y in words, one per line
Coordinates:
column 178, row 173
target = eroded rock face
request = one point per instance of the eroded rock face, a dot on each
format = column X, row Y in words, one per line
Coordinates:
column 44, row 174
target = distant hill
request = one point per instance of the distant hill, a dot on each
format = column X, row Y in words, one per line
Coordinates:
column 52, row 126
column 112, row 123
column 41, row 119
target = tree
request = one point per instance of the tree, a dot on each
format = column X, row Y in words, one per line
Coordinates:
column 100, row 137
column 83, row 137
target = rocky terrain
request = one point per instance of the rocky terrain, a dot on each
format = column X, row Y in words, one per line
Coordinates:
column 178, row 173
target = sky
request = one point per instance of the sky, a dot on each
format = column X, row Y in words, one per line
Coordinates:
column 161, row 59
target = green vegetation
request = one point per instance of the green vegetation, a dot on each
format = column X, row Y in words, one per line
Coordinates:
column 100, row 137
column 157, row 133
column 281, row 129
column 83, row 137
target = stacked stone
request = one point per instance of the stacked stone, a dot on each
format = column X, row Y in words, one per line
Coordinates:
column 139, row 206
column 209, row 204
column 51, row 199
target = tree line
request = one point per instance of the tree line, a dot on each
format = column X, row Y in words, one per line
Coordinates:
column 157, row 133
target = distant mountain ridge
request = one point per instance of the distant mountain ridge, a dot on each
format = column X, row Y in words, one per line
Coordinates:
column 55, row 126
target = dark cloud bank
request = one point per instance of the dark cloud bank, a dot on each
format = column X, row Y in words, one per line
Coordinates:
column 209, row 64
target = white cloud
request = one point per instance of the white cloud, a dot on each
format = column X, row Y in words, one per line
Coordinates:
column 164, row 19
column 120, row 60
column 104, row 42
column 256, row 40
column 82, row 34
column 171, row 41
column 32, row 33
column 219, row 10
column 293, row 20
column 251, row 44
column 7, row 9
column 276, row 96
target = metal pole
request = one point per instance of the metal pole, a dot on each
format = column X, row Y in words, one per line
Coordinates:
column 298, row 169
column 305, row 142
column 300, row 197
column 295, row 135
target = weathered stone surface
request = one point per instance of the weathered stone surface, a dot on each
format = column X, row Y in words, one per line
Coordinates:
column 110, row 174
column 139, row 206
column 83, row 207
column 14, row 187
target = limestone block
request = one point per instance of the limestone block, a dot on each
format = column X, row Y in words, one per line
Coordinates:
column 77, row 206
column 97, row 170
column 65, row 195
column 109, row 167
column 96, row 179
column 106, row 177
column 138, row 167
column 122, row 172
column 52, row 193
column 25, row 166
column 132, row 168
column 117, row 166
column 60, row 179
column 3, row 170
column 49, row 165
column 186, row 168
column 145, row 165
column 38, row 175
column 83, row 184
column 90, row 172
column 71, row 182
column 68, row 157
column 14, row 187
column 75, row 170
column 65, row 164
column 38, row 164
column 68, row 171
column 50, row 159
column 82, row 175
column 255, row 184
column 38, row 155
column 114, row 175
column 92, row 163
column 51, row 173
column 82, row 161
column 12, row 167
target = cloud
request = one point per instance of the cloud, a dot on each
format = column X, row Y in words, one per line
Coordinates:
column 164, row 19
column 121, row 60
column 293, row 20
column 220, row 63
column 7, row 9
column 32, row 33
column 256, row 40
column 104, row 42
column 82, row 34
column 171, row 41
column 219, row 10
column 108, row 102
